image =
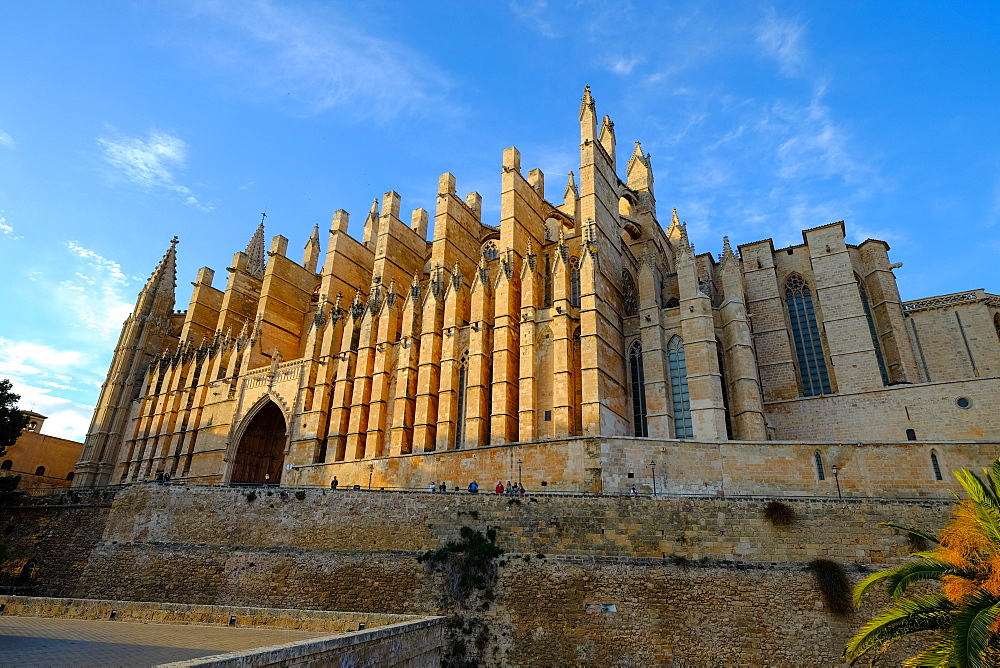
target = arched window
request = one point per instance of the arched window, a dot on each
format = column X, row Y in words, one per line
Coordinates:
column 874, row 332
column 936, row 466
column 808, row 347
column 7, row 465
column 463, row 376
column 490, row 251
column 996, row 324
column 40, row 470
column 32, row 425
column 574, row 282
column 630, row 298
column 679, row 389
column 638, row 377
column 70, row 475
column 819, row 466
column 547, row 288
column 673, row 302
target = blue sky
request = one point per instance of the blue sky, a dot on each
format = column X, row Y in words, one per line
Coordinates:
column 123, row 124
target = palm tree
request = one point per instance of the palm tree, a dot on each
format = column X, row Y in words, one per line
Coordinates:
column 962, row 618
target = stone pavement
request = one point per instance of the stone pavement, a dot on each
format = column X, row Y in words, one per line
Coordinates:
column 44, row 641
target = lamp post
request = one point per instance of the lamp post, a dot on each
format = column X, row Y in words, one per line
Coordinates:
column 652, row 465
column 837, row 478
column 371, row 471
column 519, row 462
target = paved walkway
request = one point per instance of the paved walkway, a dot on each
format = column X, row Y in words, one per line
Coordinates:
column 43, row 641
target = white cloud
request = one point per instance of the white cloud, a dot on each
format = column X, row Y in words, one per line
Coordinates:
column 782, row 41
column 531, row 12
column 97, row 297
column 320, row 59
column 150, row 163
column 35, row 371
column 6, row 140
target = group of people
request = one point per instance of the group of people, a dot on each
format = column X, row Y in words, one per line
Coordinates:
column 437, row 487
column 515, row 489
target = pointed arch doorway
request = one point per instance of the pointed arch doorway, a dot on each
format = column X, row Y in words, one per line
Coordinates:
column 260, row 454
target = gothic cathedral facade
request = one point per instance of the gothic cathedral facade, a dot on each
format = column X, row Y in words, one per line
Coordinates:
column 579, row 316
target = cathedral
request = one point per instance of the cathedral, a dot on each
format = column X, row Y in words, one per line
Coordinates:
column 573, row 343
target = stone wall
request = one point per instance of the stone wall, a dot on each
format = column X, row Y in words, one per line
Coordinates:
column 931, row 410
column 691, row 581
column 612, row 465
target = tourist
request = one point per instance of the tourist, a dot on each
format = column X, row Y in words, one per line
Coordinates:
column 510, row 488
column 499, row 487
column 432, row 487
column 473, row 487
column 444, row 487
column 635, row 492
column 334, row 483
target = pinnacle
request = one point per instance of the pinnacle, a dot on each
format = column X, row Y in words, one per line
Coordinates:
column 637, row 153
column 255, row 252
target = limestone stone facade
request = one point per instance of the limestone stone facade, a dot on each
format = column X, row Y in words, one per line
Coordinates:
column 580, row 314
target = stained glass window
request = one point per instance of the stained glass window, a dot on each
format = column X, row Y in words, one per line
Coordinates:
column 679, row 389
column 463, row 373
column 805, row 330
column 630, row 298
column 638, row 390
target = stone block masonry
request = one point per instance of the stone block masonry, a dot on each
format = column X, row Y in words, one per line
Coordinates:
column 588, row 580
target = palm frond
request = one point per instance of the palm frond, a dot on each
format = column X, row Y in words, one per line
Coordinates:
column 913, row 532
column 926, row 612
column 917, row 571
column 936, row 656
column 986, row 503
column 863, row 587
column 976, row 614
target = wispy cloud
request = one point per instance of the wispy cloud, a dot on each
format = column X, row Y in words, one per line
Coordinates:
column 36, row 370
column 531, row 13
column 150, row 163
column 6, row 229
column 95, row 293
column 6, row 140
column 781, row 40
column 320, row 59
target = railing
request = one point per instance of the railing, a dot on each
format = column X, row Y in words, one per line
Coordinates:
column 108, row 493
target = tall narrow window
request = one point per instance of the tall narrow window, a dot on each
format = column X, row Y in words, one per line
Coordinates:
column 874, row 332
column 630, row 298
column 547, row 296
column 996, row 324
column 819, row 466
column 638, row 390
column 679, row 389
column 808, row 347
column 937, row 467
column 725, row 390
column 463, row 375
column 574, row 282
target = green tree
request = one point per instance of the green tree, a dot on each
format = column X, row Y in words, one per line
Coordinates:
column 12, row 420
column 961, row 615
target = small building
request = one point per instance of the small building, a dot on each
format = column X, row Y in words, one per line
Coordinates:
column 42, row 461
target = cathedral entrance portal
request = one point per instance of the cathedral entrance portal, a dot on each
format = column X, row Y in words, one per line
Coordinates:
column 260, row 455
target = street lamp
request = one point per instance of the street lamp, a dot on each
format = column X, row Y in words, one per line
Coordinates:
column 371, row 471
column 837, row 478
column 652, row 465
column 519, row 462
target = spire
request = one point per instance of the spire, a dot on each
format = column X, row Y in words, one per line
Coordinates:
column 255, row 250
column 607, row 137
column 371, row 226
column 727, row 250
column 158, row 293
column 311, row 257
column 588, row 117
column 639, row 171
